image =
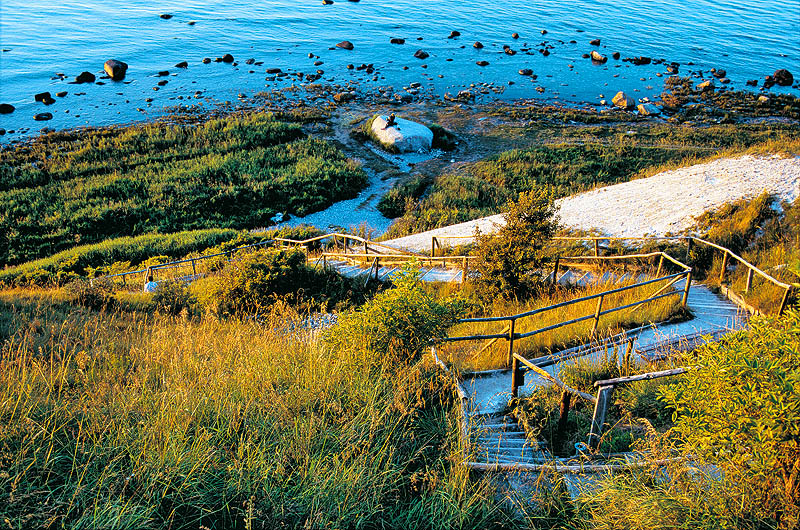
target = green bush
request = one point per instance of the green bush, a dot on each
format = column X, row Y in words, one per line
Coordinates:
column 259, row 279
column 740, row 411
column 401, row 197
column 96, row 295
column 397, row 325
column 509, row 259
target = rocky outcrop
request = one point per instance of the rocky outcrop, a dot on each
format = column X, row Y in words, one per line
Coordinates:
column 623, row 101
column 115, row 69
column 648, row 109
column 404, row 136
column 706, row 85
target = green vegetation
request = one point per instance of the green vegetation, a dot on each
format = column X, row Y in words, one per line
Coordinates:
column 508, row 260
column 566, row 160
column 67, row 189
column 120, row 420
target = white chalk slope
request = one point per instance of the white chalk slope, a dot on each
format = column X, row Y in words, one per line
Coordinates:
column 668, row 202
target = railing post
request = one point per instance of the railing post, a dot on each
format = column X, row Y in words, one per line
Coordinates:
column 599, row 417
column 464, row 269
column 685, row 297
column 784, row 300
column 555, row 270
column 597, row 314
column 324, row 262
column 660, row 266
column 749, row 282
column 689, row 242
column 563, row 416
column 194, row 269
column 433, row 246
column 724, row 267
column 596, row 248
column 511, row 342
column 366, row 248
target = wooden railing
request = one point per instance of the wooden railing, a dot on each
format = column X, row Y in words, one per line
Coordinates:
column 510, row 335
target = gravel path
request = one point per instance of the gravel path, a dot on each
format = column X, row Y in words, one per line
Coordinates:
column 665, row 203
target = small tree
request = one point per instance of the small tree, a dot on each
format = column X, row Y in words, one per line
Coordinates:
column 508, row 259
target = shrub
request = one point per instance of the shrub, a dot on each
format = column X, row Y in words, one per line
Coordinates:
column 740, row 411
column 94, row 295
column 172, row 297
column 509, row 259
column 399, row 324
column 257, row 280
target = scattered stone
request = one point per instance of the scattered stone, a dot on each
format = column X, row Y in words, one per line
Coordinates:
column 718, row 73
column 672, row 69
column 478, row 45
column 397, row 41
column 421, row 54
column 192, row 22
column 162, row 82
column 345, row 45
column 595, row 42
column 115, row 69
column 404, row 135
column 163, row 73
column 6, row 108
column 515, row 35
column 724, row 80
column 544, row 32
column 769, row 81
column 622, row 101
column 526, row 71
column 327, row 2
column 344, row 97
column 585, row 55
column 227, row 58
column 648, row 109
column 206, row 60
column 273, row 70
column 752, row 82
column 318, row 63
column 482, row 63
column 182, row 64
column 763, row 99
column 783, row 77
column 44, row 97
column 250, row 61
column 509, row 51
column 615, row 56
column 43, row 116
column 598, row 57
column 706, row 85
column 61, row 94
column 165, row 16
column 2, row 132
column 454, row 34
column 638, row 61
column 85, row 77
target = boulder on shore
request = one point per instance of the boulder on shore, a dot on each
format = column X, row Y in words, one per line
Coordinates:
column 623, row 101
column 598, row 57
column 783, row 77
column 648, row 109
column 706, row 85
column 115, row 69
column 404, row 136
column 85, row 77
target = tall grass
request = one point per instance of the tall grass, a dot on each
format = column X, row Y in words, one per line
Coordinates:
column 120, row 420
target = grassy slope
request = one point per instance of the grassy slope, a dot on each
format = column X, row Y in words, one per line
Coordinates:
column 66, row 189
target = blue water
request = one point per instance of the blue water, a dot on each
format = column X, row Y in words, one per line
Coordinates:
column 747, row 39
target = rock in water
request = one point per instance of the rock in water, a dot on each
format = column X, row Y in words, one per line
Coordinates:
column 454, row 34
column 85, row 77
column 421, row 54
column 404, row 136
column 344, row 97
column 227, row 58
column 595, row 42
column 397, row 41
column 44, row 116
column 598, row 57
column 783, row 77
column 622, row 101
column 115, row 69
column 478, row 45
column 648, row 109
column 706, row 85
column 345, row 45
column 182, row 64
column 5, row 108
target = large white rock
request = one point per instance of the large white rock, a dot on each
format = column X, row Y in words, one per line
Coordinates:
column 405, row 136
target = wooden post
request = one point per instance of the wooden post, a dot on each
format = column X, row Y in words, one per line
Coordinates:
column 194, row 269
column 626, row 360
column 464, row 269
column 689, row 242
column 599, row 417
column 433, row 246
column 597, row 314
column 555, row 270
column 749, row 282
column 596, row 247
column 685, row 297
column 566, row 398
column 724, row 267
column 324, row 262
column 511, row 342
column 660, row 266
column 784, row 301
column 377, row 266
column 366, row 248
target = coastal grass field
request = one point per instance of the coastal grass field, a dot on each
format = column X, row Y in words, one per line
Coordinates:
column 68, row 189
